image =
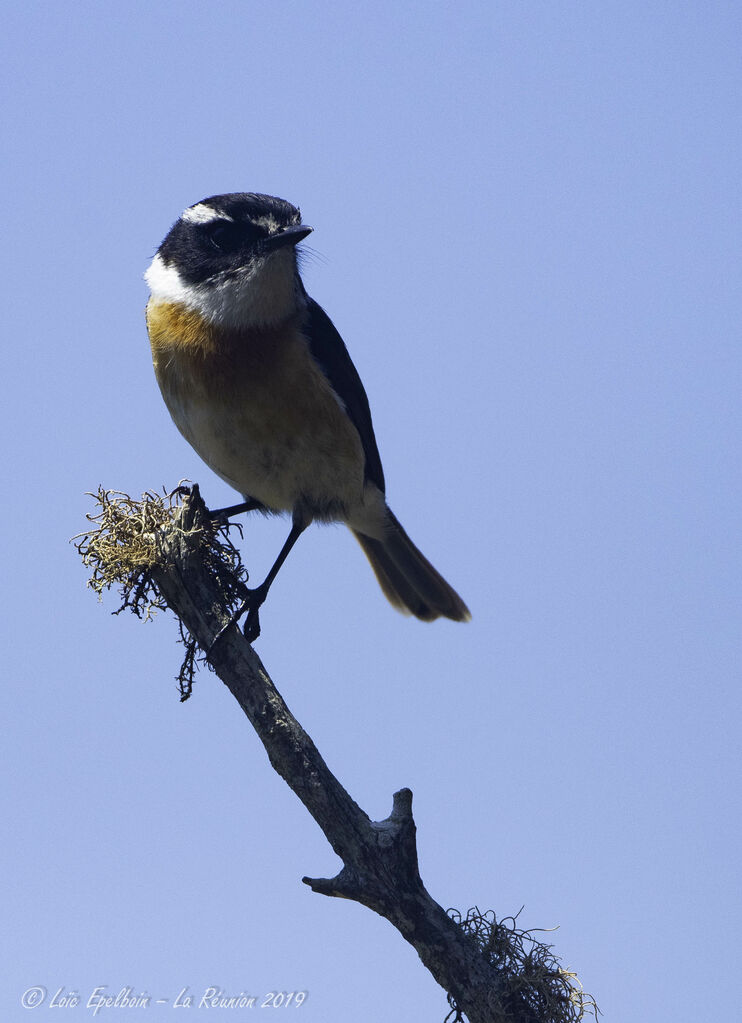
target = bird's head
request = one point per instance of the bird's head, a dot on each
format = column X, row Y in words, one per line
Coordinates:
column 232, row 258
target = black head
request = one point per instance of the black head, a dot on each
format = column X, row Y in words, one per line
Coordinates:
column 224, row 234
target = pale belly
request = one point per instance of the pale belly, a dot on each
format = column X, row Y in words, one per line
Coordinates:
column 270, row 427
column 279, row 467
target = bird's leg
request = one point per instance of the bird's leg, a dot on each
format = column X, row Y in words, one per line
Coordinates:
column 256, row 597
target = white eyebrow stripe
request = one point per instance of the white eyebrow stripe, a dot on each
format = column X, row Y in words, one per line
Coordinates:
column 202, row 214
column 268, row 222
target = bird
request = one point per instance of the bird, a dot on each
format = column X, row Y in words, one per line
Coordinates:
column 260, row 383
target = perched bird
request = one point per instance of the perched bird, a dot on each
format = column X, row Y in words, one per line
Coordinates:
column 260, row 383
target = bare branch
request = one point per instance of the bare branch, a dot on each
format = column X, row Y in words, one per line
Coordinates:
column 177, row 556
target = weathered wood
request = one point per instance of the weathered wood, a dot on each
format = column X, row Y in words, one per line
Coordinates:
column 380, row 868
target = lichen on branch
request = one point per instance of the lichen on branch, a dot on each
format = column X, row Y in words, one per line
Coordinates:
column 123, row 548
column 535, row 986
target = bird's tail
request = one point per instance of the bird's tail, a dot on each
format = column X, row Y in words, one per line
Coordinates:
column 409, row 581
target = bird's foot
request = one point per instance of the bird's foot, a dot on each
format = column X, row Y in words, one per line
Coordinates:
column 251, row 628
column 251, row 604
column 223, row 514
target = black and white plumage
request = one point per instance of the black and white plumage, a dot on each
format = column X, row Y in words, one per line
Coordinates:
column 259, row 381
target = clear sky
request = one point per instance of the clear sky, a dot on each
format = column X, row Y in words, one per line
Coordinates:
column 527, row 229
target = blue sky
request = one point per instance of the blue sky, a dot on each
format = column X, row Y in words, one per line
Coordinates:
column 527, row 230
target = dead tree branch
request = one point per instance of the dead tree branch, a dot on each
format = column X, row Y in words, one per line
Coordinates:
column 168, row 554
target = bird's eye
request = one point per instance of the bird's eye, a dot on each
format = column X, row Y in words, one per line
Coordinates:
column 227, row 236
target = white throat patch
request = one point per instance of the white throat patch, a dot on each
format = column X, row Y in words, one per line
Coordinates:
column 261, row 297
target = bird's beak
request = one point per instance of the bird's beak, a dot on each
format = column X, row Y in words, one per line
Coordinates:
column 289, row 236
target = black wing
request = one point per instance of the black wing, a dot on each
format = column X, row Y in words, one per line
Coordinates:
column 329, row 351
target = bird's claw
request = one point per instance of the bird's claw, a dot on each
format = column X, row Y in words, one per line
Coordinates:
column 255, row 599
column 219, row 517
column 251, row 628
